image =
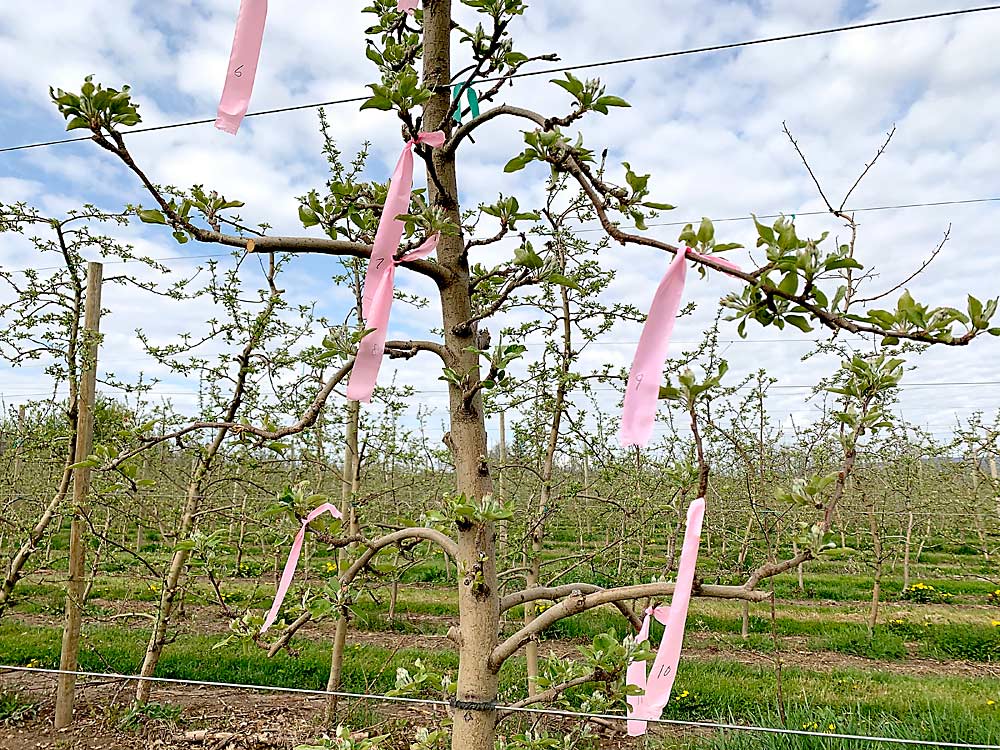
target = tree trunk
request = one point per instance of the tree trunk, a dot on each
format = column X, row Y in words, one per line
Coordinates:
column 906, row 551
column 98, row 555
column 348, row 486
column 169, row 593
column 995, row 476
column 798, row 568
column 927, row 536
column 28, row 548
column 18, row 451
column 478, row 594
column 745, row 545
column 202, row 463
column 242, row 535
column 877, row 582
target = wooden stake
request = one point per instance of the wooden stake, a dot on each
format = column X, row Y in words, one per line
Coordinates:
column 65, row 691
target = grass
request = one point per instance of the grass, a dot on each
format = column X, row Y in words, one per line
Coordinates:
column 852, row 701
column 119, row 650
column 966, row 634
column 930, row 707
column 857, row 641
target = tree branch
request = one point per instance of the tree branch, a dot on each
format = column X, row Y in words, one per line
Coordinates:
column 442, row 540
column 410, row 349
column 556, row 690
column 578, row 602
column 552, row 593
column 308, row 419
column 596, row 191
column 324, row 246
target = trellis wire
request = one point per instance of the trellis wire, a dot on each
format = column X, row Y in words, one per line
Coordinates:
column 503, row 708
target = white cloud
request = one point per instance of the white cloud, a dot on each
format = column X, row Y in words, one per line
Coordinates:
column 708, row 128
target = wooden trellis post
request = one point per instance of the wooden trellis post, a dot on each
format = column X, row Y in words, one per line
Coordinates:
column 68, row 659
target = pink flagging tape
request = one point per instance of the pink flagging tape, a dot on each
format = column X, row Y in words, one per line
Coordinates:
column 378, row 291
column 242, row 65
column 643, row 389
column 650, row 705
column 293, row 561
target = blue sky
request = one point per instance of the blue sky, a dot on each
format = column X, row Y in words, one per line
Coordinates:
column 708, row 128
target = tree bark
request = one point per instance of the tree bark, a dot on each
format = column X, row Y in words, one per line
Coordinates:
column 348, row 487
column 906, row 550
column 877, row 582
column 69, row 656
column 478, row 595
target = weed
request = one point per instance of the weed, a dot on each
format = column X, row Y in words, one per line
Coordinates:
column 924, row 593
column 16, row 708
column 139, row 715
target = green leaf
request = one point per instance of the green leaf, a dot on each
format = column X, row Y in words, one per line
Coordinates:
column 706, row 232
column 612, row 101
column 790, row 284
column 558, row 278
column 518, row 163
column 572, row 84
column 765, row 232
column 527, row 257
column 838, row 263
column 77, row 122
column 308, row 217
column 150, row 216
column 975, row 308
column 377, row 102
column 658, row 206
column 799, row 322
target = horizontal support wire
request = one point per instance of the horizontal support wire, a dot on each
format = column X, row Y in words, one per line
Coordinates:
column 511, row 709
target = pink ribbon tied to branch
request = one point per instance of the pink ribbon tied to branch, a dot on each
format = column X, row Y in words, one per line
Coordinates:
column 293, row 561
column 242, row 65
column 377, row 295
column 650, row 705
column 644, row 378
column 407, row 6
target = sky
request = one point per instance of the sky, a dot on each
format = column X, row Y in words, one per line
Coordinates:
column 707, row 127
